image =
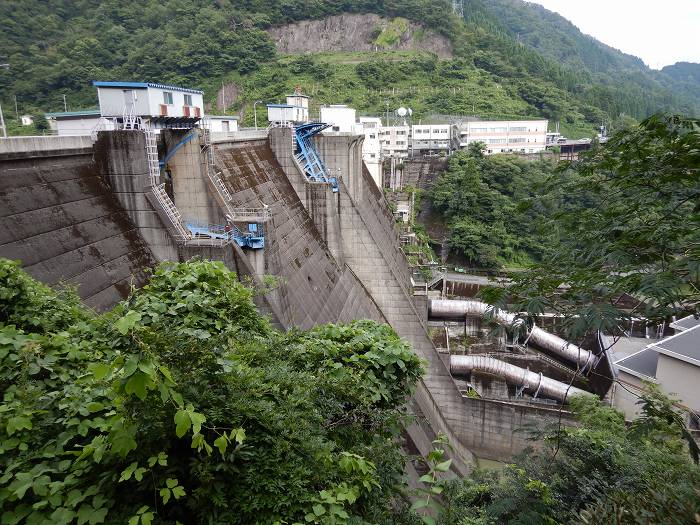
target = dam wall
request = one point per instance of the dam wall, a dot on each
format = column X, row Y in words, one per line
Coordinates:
column 60, row 218
column 334, row 257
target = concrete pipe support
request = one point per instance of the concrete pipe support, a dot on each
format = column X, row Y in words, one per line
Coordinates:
column 535, row 383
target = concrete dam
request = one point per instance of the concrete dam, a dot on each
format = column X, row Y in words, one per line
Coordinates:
column 97, row 214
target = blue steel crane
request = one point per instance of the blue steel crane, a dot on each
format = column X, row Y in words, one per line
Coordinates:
column 308, row 157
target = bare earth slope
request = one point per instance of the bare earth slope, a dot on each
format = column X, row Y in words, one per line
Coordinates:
column 353, row 32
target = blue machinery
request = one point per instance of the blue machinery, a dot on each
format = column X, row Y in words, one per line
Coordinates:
column 307, row 156
column 251, row 239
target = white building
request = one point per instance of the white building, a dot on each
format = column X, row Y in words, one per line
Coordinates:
column 431, row 138
column 27, row 120
column 295, row 111
column 340, row 117
column 672, row 363
column 73, row 122
column 505, row 136
column 221, row 123
column 371, row 148
column 394, row 141
column 160, row 104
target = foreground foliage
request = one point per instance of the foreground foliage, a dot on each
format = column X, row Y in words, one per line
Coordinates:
column 183, row 405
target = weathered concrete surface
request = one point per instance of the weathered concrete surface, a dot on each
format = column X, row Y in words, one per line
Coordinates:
column 313, row 287
column 121, row 160
column 62, row 221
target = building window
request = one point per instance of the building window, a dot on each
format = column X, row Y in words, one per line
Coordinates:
column 188, row 100
column 497, row 141
column 400, row 142
column 400, row 132
column 518, row 128
column 372, row 155
column 517, row 140
column 336, row 128
column 167, row 98
column 372, row 136
column 499, row 130
column 478, row 130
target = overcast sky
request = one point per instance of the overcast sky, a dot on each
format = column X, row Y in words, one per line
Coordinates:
column 660, row 32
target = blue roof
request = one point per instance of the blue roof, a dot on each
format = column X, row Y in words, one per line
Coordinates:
column 81, row 113
column 143, row 85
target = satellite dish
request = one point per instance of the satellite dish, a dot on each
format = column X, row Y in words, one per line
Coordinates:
column 402, row 112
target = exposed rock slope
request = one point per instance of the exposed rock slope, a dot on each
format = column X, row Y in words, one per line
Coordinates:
column 353, row 32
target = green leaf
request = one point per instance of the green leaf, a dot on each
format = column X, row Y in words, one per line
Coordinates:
column 182, row 423
column 147, row 518
column 444, row 466
column 197, row 420
column 128, row 472
column 18, row 423
column 99, row 370
column 137, row 385
column 125, row 323
column 319, row 510
column 165, row 495
column 178, row 491
column 221, row 443
column 171, row 482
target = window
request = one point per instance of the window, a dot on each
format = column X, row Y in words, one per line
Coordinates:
column 372, row 155
column 400, row 132
column 167, row 98
column 372, row 136
column 516, row 140
column 443, row 131
column 497, row 141
column 518, row 128
column 336, row 128
column 400, row 142
column 478, row 130
column 188, row 100
column 499, row 130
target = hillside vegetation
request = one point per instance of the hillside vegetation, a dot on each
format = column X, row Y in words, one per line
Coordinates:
column 60, row 46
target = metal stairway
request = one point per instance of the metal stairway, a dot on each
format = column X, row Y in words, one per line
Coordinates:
column 306, row 156
column 164, row 204
column 223, row 196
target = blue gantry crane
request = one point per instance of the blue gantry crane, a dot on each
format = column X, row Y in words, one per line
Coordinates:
column 254, row 238
column 307, row 156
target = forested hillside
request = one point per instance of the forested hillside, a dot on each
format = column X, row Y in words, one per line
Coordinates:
column 58, row 47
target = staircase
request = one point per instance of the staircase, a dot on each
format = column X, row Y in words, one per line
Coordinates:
column 223, row 196
column 164, row 204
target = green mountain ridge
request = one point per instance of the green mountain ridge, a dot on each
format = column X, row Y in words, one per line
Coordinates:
column 520, row 61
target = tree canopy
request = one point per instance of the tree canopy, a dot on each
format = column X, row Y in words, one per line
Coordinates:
column 182, row 405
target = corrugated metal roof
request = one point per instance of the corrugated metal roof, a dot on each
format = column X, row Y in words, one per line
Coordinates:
column 143, row 85
column 684, row 346
column 686, row 323
column 642, row 363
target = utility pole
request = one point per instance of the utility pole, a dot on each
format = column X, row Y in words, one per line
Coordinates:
column 223, row 96
column 2, row 123
column 255, row 112
column 65, row 106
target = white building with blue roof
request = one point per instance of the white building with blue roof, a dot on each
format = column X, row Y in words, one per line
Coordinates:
column 295, row 111
column 162, row 105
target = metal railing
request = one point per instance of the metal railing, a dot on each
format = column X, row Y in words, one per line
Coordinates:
column 221, row 191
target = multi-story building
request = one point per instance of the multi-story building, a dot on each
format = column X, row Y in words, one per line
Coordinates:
column 432, row 139
column 505, row 136
column 371, row 147
column 394, row 141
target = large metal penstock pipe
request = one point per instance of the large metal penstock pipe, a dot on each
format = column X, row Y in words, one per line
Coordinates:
column 533, row 382
column 454, row 309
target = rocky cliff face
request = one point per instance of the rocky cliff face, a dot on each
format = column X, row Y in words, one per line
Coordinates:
column 353, row 32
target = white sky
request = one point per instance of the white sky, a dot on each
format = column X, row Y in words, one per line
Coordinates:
column 660, row 32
